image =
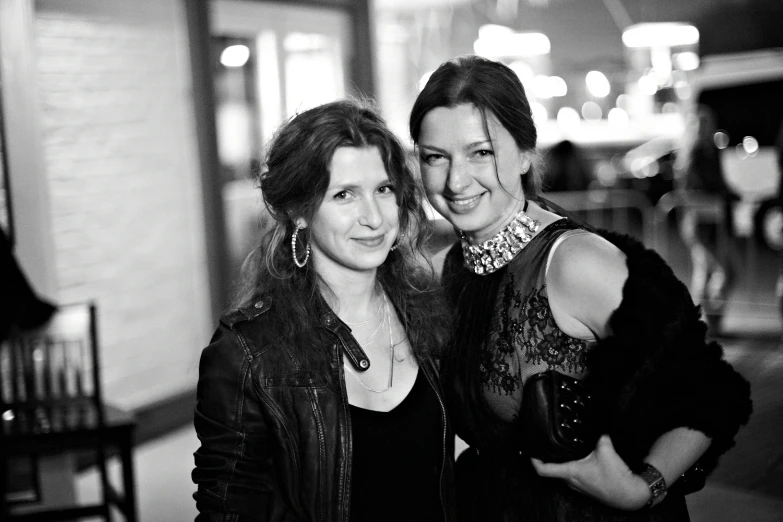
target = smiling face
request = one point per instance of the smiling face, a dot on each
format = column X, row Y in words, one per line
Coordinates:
column 357, row 222
column 472, row 179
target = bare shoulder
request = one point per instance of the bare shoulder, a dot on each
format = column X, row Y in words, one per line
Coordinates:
column 585, row 281
column 587, row 256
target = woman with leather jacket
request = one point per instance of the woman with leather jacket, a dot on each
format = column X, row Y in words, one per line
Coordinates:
column 318, row 397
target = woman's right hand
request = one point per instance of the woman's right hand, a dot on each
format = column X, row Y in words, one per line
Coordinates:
column 602, row 475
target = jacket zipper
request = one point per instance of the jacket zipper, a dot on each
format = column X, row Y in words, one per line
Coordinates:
column 348, row 433
column 443, row 446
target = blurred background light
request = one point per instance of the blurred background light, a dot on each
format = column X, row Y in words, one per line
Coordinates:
column 568, row 119
column 424, row 79
column 648, row 85
column 591, row 111
column 660, row 34
column 558, row 86
column 597, row 84
column 750, row 144
column 497, row 41
column 682, row 89
column 617, row 117
column 235, row 55
column 687, row 61
column 541, row 88
column 721, row 139
column 670, row 108
column 523, row 71
column 540, row 114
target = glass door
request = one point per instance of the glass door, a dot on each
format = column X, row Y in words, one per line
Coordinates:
column 270, row 61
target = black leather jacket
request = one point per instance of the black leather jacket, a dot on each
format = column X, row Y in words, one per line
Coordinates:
column 275, row 430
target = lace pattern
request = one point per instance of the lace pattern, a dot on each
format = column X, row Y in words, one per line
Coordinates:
column 524, row 339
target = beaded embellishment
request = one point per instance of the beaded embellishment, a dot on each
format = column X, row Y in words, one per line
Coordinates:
column 497, row 251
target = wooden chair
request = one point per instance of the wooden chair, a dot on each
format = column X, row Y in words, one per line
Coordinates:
column 51, row 403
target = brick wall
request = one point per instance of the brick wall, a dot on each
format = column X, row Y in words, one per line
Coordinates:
column 121, row 159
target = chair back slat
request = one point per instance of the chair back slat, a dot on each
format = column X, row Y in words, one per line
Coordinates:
column 49, row 379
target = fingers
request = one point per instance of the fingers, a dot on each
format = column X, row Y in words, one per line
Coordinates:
column 605, row 443
column 550, row 469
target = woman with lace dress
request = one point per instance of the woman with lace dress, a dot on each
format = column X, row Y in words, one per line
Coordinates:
column 534, row 290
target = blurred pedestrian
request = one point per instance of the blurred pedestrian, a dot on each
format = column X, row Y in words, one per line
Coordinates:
column 566, row 168
column 20, row 307
column 706, row 221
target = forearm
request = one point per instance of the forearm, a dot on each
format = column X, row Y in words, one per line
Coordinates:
column 674, row 452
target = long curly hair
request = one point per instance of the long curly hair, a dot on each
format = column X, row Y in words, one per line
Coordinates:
column 293, row 185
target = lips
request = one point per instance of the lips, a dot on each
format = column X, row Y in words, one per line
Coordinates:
column 463, row 204
column 371, row 242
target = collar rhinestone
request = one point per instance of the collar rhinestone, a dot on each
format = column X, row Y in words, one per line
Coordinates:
column 497, row 251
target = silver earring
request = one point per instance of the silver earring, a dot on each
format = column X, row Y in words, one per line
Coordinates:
column 293, row 249
column 398, row 243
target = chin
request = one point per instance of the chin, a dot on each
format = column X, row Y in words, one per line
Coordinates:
column 467, row 222
column 366, row 262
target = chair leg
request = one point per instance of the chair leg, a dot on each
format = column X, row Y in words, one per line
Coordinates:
column 129, row 485
column 3, row 486
column 105, row 485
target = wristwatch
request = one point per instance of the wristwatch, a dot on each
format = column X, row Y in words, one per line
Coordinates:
column 655, row 482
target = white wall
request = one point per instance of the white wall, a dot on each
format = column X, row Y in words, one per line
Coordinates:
column 119, row 145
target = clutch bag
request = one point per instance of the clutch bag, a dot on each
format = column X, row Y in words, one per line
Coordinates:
column 558, row 418
column 558, row 424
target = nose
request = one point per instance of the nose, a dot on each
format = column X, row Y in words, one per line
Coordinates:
column 458, row 177
column 371, row 214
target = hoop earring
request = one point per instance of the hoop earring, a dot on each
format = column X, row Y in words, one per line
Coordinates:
column 398, row 243
column 293, row 249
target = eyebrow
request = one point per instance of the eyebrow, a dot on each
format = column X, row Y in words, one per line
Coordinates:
column 468, row 146
column 352, row 186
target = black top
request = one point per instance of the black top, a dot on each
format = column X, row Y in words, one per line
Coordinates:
column 397, row 459
column 655, row 371
column 506, row 333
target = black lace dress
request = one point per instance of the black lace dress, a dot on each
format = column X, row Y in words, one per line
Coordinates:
column 505, row 333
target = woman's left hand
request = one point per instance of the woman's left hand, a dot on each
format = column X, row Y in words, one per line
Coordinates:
column 602, row 475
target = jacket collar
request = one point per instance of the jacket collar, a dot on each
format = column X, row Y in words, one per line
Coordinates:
column 329, row 320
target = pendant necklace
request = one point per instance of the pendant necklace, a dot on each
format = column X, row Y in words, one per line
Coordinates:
column 387, row 317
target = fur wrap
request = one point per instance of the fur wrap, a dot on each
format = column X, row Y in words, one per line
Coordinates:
column 657, row 371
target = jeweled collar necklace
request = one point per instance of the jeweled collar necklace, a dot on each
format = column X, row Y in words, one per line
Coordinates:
column 499, row 250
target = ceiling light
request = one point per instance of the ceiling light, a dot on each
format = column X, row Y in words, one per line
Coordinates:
column 499, row 41
column 664, row 34
column 235, row 55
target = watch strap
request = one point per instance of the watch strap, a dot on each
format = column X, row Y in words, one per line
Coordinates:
column 655, row 482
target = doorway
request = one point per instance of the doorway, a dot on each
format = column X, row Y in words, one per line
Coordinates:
column 270, row 61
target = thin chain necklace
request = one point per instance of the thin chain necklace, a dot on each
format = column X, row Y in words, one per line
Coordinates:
column 374, row 333
column 362, row 323
column 387, row 316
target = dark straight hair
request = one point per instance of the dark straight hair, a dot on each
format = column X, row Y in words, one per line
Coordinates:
column 496, row 91
column 492, row 88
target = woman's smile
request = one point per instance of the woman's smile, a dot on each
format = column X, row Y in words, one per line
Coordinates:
column 464, row 204
column 472, row 169
column 371, row 242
